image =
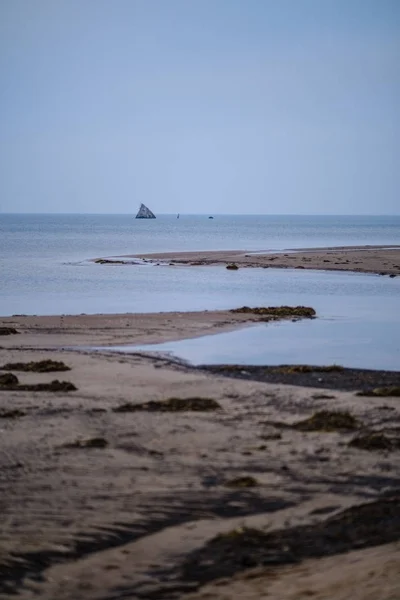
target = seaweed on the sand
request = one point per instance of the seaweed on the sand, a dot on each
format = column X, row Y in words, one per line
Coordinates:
column 375, row 440
column 12, row 414
column 324, row 421
column 106, row 261
column 246, row 481
column 393, row 390
column 357, row 527
column 95, row 442
column 195, row 404
column 40, row 366
column 277, row 311
column 9, row 381
column 8, row 331
column 327, row 421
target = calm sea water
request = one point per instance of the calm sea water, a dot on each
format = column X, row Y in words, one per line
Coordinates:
column 45, row 269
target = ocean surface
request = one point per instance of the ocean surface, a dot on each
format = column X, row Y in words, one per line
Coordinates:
column 45, row 268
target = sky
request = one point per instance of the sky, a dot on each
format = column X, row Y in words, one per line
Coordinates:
column 200, row 106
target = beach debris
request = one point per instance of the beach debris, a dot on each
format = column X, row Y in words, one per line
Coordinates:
column 323, row 420
column 375, row 440
column 95, row 442
column 393, row 390
column 246, row 481
column 232, row 267
column 8, row 331
column 8, row 379
column 322, row 397
column 195, row 404
column 277, row 311
column 41, row 366
column 328, row 421
column 12, row 414
column 107, row 261
column 10, row 382
column 271, row 436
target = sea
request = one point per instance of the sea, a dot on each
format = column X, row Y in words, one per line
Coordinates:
column 46, row 268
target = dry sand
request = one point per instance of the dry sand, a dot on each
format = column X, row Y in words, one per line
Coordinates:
column 119, row 521
column 367, row 259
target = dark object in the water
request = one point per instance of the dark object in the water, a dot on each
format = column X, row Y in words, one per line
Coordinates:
column 375, row 440
column 171, row 405
column 277, row 311
column 242, row 482
column 232, row 267
column 328, row 421
column 8, row 331
column 41, row 366
column 393, row 390
column 145, row 213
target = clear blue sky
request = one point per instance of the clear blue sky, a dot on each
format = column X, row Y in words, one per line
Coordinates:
column 222, row 106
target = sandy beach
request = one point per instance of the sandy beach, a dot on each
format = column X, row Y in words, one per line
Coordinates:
column 126, row 486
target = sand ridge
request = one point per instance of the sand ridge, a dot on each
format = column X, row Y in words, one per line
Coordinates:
column 381, row 260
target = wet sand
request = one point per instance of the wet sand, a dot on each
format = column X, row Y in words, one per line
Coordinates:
column 103, row 499
column 367, row 259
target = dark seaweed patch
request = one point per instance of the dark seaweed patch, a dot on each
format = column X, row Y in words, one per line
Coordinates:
column 326, row 420
column 393, row 390
column 12, row 414
column 375, row 441
column 277, row 311
column 10, row 382
column 95, row 442
column 355, row 528
column 8, row 331
column 246, row 481
column 41, row 366
column 171, row 405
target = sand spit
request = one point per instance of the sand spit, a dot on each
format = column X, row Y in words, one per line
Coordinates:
column 381, row 260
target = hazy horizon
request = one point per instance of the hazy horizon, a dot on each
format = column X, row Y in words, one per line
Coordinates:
column 200, row 107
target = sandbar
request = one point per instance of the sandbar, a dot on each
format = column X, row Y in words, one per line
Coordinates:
column 382, row 260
